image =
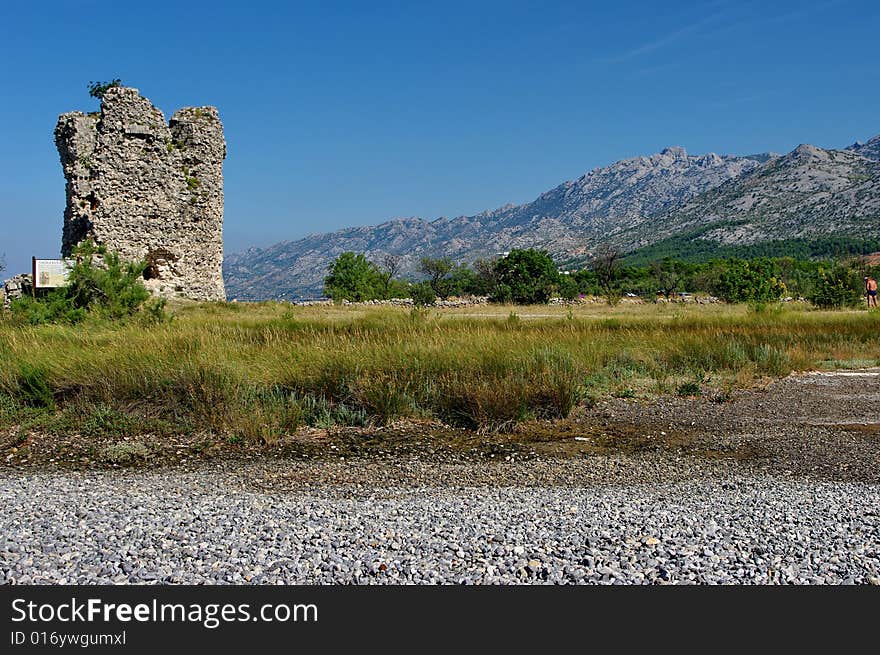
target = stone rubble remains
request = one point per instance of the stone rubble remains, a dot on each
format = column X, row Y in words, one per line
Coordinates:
column 148, row 189
column 15, row 287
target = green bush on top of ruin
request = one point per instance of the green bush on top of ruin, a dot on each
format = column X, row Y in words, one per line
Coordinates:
column 98, row 89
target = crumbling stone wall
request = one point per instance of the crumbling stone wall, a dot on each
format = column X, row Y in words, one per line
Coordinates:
column 16, row 287
column 148, row 189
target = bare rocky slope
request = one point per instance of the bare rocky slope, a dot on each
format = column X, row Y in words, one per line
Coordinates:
column 871, row 149
column 629, row 204
column 809, row 193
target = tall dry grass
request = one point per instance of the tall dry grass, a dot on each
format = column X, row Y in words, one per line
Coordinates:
column 261, row 370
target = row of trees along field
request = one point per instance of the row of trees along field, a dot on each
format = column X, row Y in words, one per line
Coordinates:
column 529, row 276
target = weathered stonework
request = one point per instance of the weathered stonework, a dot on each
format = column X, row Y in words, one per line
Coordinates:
column 16, row 287
column 148, row 189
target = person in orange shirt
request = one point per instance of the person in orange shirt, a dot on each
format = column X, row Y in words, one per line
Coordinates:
column 871, row 291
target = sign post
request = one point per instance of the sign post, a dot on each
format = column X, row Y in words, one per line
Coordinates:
column 50, row 273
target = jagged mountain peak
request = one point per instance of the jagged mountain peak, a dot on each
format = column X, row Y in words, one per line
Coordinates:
column 869, row 149
column 806, row 151
column 808, row 193
column 810, row 156
column 673, row 153
column 676, row 151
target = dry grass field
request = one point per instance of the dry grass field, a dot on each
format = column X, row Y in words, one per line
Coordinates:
column 255, row 372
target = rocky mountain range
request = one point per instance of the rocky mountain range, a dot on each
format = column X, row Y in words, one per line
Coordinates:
column 871, row 149
column 629, row 204
column 809, row 193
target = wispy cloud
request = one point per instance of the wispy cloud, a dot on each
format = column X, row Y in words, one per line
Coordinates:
column 653, row 70
column 669, row 38
column 758, row 20
column 803, row 12
column 722, row 21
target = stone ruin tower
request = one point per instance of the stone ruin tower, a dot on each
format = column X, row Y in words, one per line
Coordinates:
column 148, row 189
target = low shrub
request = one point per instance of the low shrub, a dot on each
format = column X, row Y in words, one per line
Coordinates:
column 124, row 453
column 688, row 389
column 104, row 420
column 422, row 294
column 100, row 285
column 322, row 413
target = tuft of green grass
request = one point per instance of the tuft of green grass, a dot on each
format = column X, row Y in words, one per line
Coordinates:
column 33, row 388
column 772, row 360
column 321, row 413
column 688, row 389
column 105, row 420
column 124, row 453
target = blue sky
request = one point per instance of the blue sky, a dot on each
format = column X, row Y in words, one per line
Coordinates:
column 342, row 113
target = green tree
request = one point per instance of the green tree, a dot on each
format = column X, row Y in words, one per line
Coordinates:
column 837, row 285
column 749, row 281
column 797, row 275
column 422, row 294
column 465, row 281
column 667, row 275
column 98, row 89
column 607, row 267
column 525, row 277
column 439, row 272
column 568, row 287
column 397, row 289
column 353, row 277
column 486, row 276
column 587, row 282
column 390, row 267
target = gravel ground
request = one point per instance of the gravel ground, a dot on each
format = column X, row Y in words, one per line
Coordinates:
column 819, row 424
column 212, row 525
column 778, row 486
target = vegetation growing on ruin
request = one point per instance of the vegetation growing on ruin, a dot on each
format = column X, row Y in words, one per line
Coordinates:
column 98, row 89
column 173, row 144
